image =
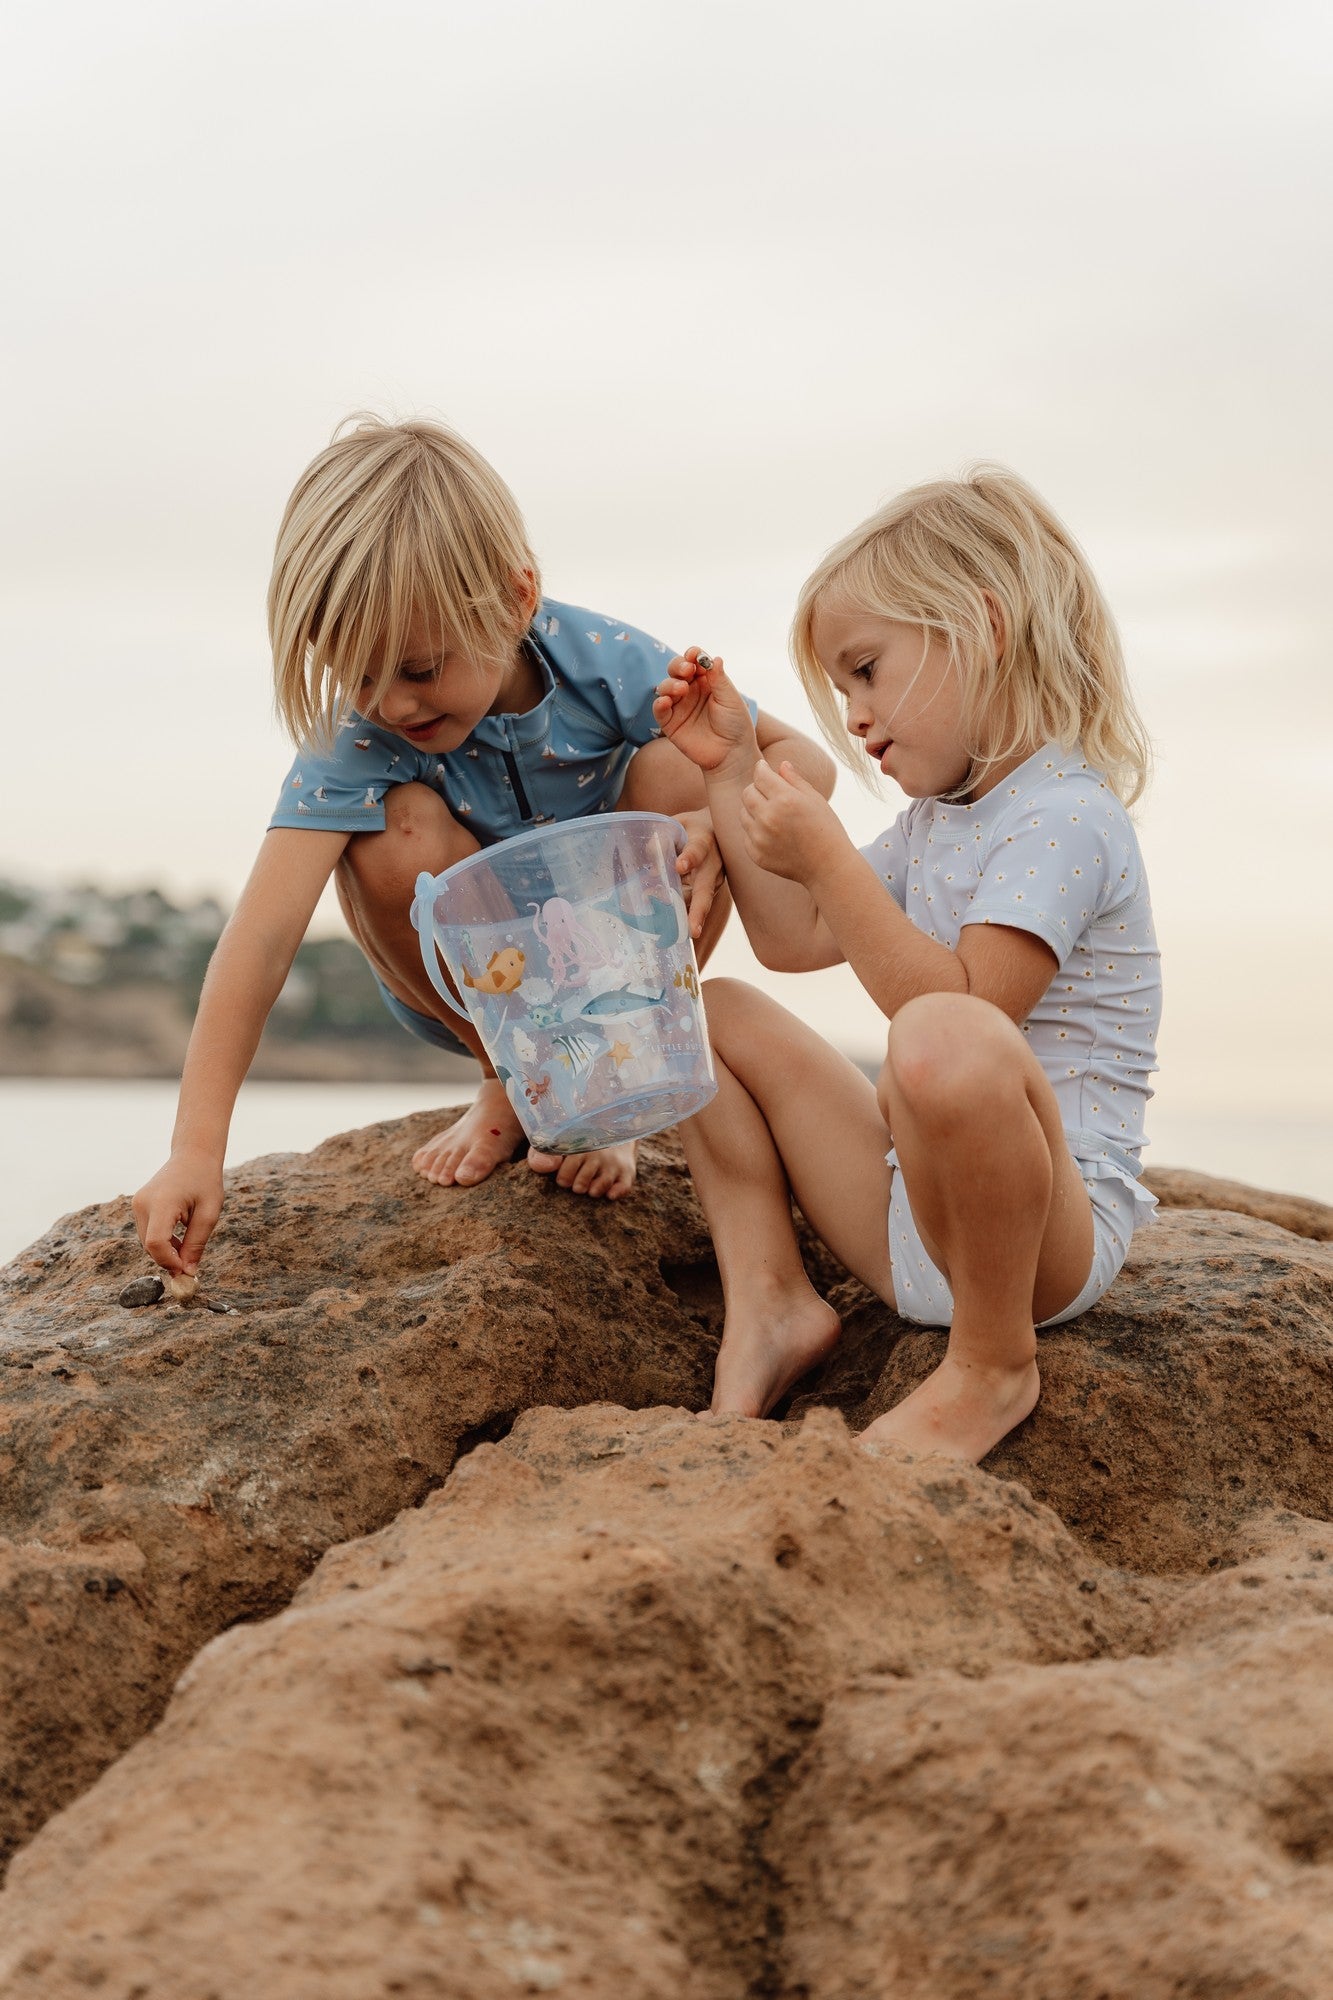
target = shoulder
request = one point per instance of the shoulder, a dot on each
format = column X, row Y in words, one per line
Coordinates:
column 581, row 643
column 1064, row 788
column 1064, row 823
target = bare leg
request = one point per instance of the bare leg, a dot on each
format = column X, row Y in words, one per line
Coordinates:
column 1000, row 1206
column 791, row 1116
column 376, row 880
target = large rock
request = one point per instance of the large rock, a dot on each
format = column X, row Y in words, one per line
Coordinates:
column 1140, row 1829
column 1178, row 1187
column 1198, row 1389
column 165, row 1473
column 617, row 1702
column 531, row 1735
column 638, row 1705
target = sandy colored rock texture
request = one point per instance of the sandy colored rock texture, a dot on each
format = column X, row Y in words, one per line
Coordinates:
column 1178, row 1187
column 167, row 1472
column 639, row 1706
column 619, row 1703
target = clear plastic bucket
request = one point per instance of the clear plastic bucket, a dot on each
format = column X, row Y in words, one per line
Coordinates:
column 571, row 950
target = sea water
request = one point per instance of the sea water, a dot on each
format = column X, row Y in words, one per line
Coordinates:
column 65, row 1143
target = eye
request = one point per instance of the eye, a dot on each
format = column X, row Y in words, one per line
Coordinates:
column 865, row 672
column 416, row 675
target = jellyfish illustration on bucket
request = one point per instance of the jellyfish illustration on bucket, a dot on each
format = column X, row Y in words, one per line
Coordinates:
column 570, row 950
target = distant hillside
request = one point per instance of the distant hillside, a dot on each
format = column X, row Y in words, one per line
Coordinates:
column 94, row 984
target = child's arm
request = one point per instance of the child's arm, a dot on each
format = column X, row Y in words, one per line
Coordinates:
column 780, row 744
column 792, row 832
column 807, row 897
column 245, row 976
column 700, row 711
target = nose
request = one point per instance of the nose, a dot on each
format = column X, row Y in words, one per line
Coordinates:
column 399, row 702
column 858, row 717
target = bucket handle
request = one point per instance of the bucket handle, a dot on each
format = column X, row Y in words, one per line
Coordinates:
column 422, row 914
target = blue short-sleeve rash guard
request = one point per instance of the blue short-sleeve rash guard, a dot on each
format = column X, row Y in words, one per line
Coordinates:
column 563, row 759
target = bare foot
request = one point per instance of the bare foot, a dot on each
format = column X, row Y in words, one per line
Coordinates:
column 609, row 1172
column 768, row 1344
column 484, row 1137
column 961, row 1411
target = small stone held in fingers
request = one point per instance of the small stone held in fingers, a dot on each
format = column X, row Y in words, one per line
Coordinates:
column 705, row 661
column 180, row 1287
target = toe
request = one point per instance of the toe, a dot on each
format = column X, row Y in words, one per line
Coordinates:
column 544, row 1163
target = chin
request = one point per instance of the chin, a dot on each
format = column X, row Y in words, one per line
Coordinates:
column 931, row 784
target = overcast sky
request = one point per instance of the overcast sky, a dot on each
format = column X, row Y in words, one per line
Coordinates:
column 706, row 282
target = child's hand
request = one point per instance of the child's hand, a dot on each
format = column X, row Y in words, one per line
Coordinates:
column 699, row 710
column 176, row 1210
column 699, row 865
column 790, row 829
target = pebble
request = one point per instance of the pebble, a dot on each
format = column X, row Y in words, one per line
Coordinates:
column 145, row 1291
column 180, row 1287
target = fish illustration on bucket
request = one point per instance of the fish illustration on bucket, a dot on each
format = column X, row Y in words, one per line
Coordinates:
column 571, row 951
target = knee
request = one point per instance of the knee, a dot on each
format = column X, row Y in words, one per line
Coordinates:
column 738, row 1017
column 727, row 1000
column 660, row 779
column 948, row 1055
column 419, row 833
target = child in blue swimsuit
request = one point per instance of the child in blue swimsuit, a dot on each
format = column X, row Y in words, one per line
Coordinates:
column 441, row 704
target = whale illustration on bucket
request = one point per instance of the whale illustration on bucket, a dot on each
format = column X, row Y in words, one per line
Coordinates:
column 570, row 947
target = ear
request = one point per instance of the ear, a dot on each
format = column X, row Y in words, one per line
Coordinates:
column 999, row 629
column 525, row 597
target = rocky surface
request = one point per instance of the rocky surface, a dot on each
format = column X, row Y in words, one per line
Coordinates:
column 167, row 1471
column 1178, row 1187
column 617, row 1702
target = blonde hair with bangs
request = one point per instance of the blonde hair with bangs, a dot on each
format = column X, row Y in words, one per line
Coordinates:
column 934, row 557
column 391, row 522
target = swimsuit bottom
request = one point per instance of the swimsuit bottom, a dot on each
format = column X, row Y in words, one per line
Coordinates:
column 424, row 1026
column 1120, row 1204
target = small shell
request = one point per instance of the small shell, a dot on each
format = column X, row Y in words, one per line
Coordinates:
column 705, row 660
column 180, row 1287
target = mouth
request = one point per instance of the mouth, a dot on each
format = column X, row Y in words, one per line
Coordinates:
column 877, row 752
column 419, row 730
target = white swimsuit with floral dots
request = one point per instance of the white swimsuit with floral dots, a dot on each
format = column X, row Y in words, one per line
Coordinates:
column 1051, row 850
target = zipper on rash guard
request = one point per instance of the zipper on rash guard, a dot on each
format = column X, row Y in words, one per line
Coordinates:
column 516, row 780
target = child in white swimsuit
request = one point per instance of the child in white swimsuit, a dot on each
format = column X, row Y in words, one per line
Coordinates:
column 1002, row 924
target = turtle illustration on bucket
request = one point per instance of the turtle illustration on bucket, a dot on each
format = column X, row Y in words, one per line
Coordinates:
column 571, row 951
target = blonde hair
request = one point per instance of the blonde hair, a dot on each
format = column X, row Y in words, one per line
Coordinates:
column 391, row 522
column 933, row 557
